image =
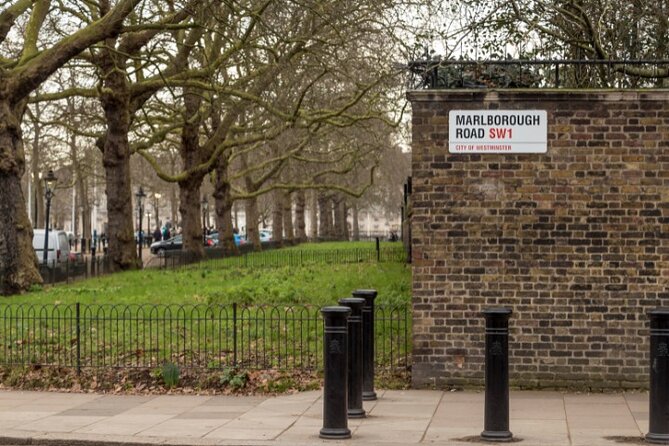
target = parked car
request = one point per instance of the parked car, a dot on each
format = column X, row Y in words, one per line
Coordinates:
column 238, row 239
column 173, row 244
column 265, row 235
column 58, row 249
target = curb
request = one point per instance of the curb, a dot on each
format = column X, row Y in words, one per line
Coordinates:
column 20, row 441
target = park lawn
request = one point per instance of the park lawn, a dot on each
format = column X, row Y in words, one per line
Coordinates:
column 277, row 325
column 311, row 284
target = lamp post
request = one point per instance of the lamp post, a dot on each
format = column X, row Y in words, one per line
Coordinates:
column 148, row 235
column 49, row 183
column 205, row 208
column 155, row 207
column 140, row 196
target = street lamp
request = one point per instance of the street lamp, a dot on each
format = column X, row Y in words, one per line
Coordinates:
column 140, row 195
column 205, row 208
column 49, row 184
column 148, row 230
column 155, row 207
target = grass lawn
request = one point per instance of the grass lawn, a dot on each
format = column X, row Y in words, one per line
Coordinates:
column 275, row 325
column 312, row 284
column 218, row 282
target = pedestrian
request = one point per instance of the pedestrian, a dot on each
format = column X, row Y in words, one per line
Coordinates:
column 94, row 244
column 157, row 235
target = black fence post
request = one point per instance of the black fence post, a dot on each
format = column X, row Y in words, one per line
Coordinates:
column 658, row 420
column 234, row 334
column 378, row 250
column 335, row 373
column 355, row 409
column 496, row 421
column 368, row 393
column 78, row 337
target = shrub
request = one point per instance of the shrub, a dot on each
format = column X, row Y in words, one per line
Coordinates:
column 170, row 374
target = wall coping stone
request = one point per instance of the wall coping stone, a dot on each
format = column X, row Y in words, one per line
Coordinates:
column 534, row 95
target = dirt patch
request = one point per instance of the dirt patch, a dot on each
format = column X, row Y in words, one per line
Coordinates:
column 189, row 382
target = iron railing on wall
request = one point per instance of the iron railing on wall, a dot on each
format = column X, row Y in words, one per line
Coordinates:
column 284, row 337
column 552, row 73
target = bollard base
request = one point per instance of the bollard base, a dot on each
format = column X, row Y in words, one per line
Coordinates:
column 657, row 438
column 369, row 396
column 330, row 433
column 357, row 413
column 497, row 436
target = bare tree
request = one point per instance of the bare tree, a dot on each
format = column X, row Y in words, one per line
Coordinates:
column 22, row 72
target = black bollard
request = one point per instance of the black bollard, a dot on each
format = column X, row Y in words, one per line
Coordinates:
column 496, row 420
column 658, row 420
column 355, row 409
column 335, row 373
column 368, row 393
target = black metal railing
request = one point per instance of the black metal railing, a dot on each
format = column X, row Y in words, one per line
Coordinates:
column 286, row 257
column 552, row 73
column 191, row 336
column 71, row 270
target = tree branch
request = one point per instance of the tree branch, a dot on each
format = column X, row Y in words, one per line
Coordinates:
column 29, row 75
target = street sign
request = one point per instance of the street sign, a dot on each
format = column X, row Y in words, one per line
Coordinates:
column 497, row 131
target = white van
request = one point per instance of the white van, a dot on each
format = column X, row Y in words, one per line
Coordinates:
column 58, row 249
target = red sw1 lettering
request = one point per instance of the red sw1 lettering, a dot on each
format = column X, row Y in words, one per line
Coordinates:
column 501, row 133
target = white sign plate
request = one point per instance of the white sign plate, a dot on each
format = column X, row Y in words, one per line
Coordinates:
column 497, row 131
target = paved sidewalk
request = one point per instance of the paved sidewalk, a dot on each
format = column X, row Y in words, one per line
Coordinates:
column 396, row 418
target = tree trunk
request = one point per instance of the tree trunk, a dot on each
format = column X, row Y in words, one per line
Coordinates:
column 191, row 223
column 338, row 226
column 116, row 162
column 288, row 229
column 18, row 263
column 300, row 225
column 82, row 191
column 174, row 205
column 313, row 212
column 344, row 222
column 36, row 165
column 189, row 189
column 356, row 223
column 252, row 234
column 277, row 216
column 222, row 194
column 323, row 216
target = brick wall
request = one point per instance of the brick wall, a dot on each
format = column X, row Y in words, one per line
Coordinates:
column 575, row 241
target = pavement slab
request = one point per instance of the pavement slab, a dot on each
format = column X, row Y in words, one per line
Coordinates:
column 397, row 417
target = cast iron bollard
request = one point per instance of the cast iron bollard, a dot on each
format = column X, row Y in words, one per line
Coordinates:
column 355, row 409
column 658, row 421
column 496, row 421
column 335, row 373
column 368, row 393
